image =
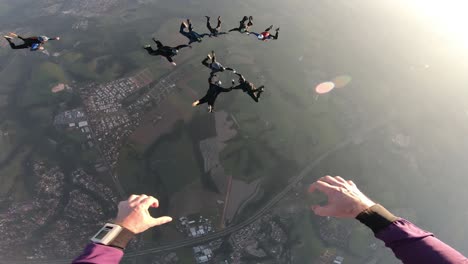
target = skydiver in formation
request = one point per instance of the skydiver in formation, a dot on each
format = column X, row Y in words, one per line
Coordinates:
column 213, row 91
column 190, row 34
column 33, row 43
column 214, row 65
column 265, row 35
column 165, row 51
column 249, row 88
column 244, row 25
column 214, row 32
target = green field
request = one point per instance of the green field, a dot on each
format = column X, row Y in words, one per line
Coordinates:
column 174, row 160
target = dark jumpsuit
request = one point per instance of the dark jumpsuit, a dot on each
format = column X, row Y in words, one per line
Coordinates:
column 243, row 25
column 214, row 31
column 212, row 93
column 249, row 88
column 165, row 51
column 28, row 43
column 190, row 34
column 215, row 66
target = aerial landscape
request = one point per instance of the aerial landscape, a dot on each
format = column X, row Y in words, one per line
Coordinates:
column 92, row 119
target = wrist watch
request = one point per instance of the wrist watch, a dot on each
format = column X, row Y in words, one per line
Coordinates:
column 113, row 235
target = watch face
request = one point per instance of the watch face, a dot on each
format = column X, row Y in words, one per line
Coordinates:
column 102, row 234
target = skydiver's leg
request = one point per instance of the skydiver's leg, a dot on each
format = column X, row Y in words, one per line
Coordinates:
column 190, row 27
column 276, row 35
column 253, row 95
column 14, row 46
column 213, row 57
column 259, row 91
column 269, row 28
column 218, row 26
column 182, row 27
column 203, row 100
column 234, row 29
column 149, row 49
column 158, row 43
column 208, row 24
column 205, row 62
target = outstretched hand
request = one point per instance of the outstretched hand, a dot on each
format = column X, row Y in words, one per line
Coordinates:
column 134, row 215
column 345, row 200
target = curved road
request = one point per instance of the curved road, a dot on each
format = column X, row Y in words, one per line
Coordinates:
column 232, row 229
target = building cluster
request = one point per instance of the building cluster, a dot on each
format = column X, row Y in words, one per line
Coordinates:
column 108, row 118
column 76, row 120
column 195, row 226
column 203, row 253
column 334, row 232
column 20, row 221
column 264, row 238
column 112, row 119
column 81, row 178
column 155, row 94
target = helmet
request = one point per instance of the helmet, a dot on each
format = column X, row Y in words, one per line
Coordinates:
column 219, row 83
column 175, row 51
column 260, row 37
column 43, row 38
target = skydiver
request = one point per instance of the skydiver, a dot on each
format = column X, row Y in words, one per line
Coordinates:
column 244, row 26
column 265, row 35
column 214, row 31
column 214, row 65
column 249, row 88
column 165, row 51
column 33, row 43
column 213, row 91
column 190, row 34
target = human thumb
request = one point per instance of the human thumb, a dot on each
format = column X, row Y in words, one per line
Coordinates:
column 160, row 221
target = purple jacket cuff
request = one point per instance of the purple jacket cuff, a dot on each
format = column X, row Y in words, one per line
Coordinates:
column 99, row 254
column 414, row 245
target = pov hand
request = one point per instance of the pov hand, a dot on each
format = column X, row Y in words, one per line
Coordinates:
column 133, row 214
column 345, row 200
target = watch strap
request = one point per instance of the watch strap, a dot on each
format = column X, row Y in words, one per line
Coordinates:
column 122, row 239
column 376, row 218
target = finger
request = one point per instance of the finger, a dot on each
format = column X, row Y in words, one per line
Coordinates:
column 160, row 220
column 351, row 183
column 132, row 198
column 332, row 181
column 321, row 186
column 140, row 198
column 338, row 178
column 322, row 210
column 150, row 201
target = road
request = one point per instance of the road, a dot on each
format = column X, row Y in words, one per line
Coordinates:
column 232, row 229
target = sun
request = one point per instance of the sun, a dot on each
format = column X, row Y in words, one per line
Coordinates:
column 447, row 16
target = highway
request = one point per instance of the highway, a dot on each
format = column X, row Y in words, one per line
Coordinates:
column 232, row 229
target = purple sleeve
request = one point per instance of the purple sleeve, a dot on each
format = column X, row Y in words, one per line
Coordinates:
column 411, row 244
column 99, row 254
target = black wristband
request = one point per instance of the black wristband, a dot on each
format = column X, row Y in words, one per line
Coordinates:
column 122, row 239
column 376, row 217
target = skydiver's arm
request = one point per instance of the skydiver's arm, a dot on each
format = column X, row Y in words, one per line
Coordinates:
column 240, row 76
column 169, row 58
column 408, row 242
